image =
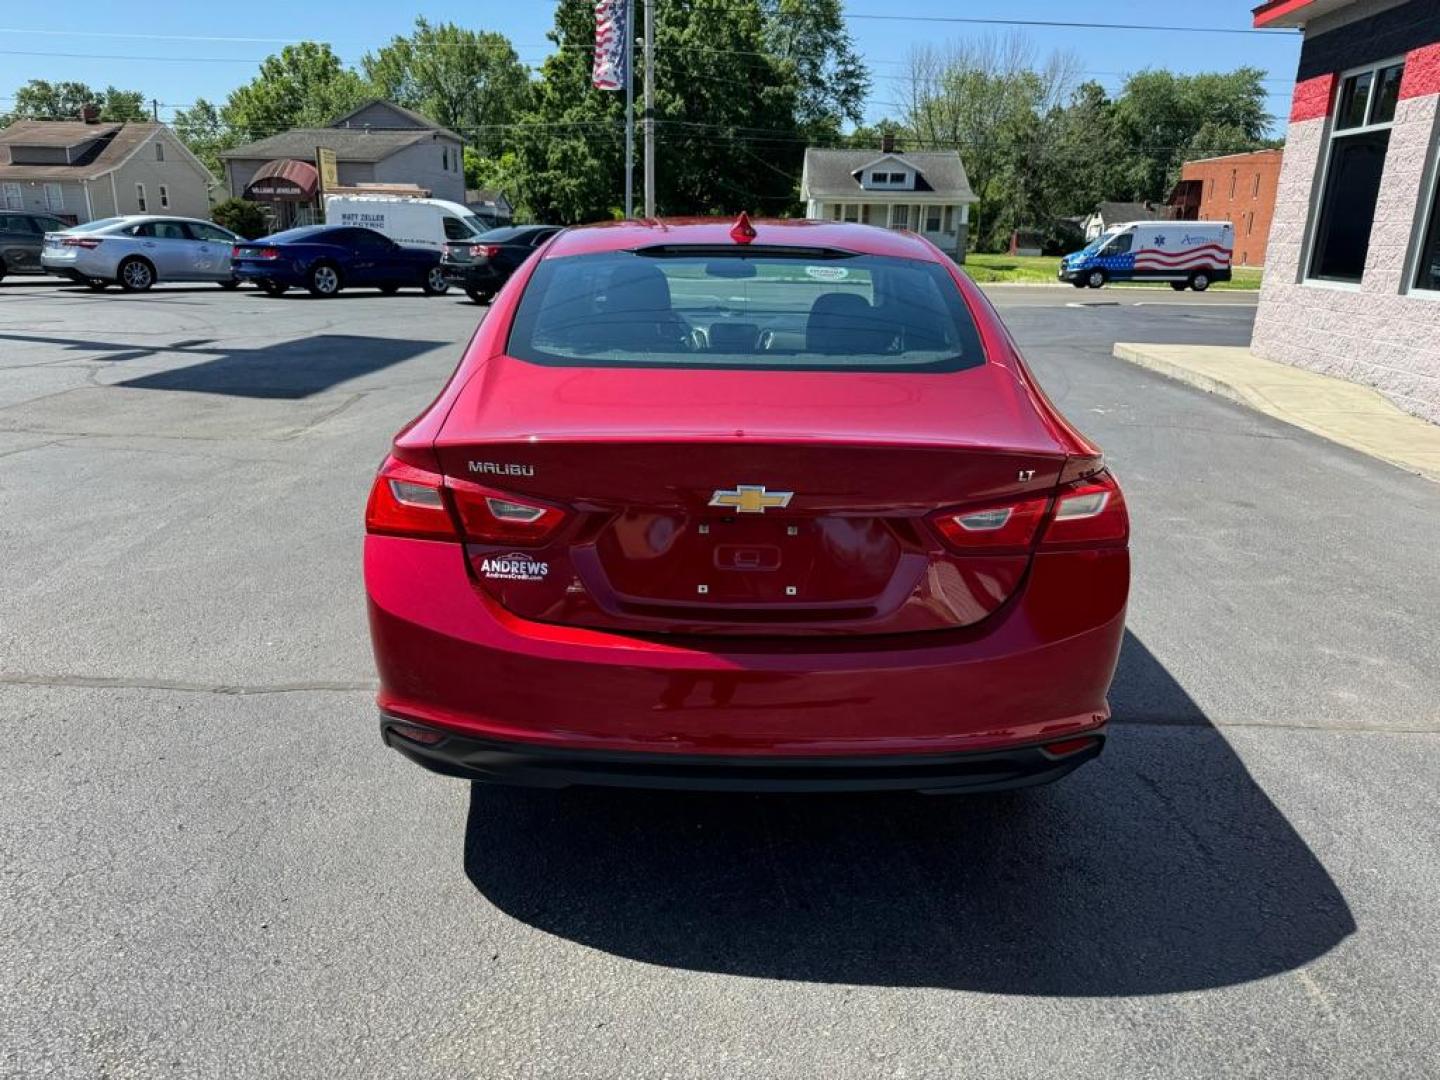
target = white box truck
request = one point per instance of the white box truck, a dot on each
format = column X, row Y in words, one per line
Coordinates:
column 411, row 222
column 1189, row 254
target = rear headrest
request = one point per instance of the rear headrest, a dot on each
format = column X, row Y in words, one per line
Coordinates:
column 845, row 323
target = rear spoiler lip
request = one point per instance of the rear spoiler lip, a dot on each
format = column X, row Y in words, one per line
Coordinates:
column 736, row 251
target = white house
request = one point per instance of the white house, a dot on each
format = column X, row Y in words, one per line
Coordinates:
column 83, row 171
column 927, row 193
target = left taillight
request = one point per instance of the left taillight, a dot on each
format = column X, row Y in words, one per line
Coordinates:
column 406, row 501
column 89, row 243
column 414, row 502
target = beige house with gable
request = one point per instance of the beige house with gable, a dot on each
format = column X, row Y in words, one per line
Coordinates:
column 82, row 171
column 927, row 193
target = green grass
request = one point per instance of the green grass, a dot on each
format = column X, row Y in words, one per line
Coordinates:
column 988, row 269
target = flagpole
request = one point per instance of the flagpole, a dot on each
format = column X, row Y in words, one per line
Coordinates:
column 629, row 108
column 649, row 108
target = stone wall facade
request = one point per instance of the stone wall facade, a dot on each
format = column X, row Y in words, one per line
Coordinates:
column 1379, row 333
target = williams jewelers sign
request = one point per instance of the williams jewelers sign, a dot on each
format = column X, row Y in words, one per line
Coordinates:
column 276, row 187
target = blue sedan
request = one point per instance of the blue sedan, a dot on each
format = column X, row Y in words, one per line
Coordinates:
column 328, row 258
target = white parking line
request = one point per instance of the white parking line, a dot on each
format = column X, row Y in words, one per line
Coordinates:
column 1189, row 303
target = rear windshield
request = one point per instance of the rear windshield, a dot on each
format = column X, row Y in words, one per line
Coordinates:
column 291, row 236
column 499, row 236
column 767, row 310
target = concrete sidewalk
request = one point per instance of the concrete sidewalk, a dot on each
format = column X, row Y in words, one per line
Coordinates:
column 1343, row 412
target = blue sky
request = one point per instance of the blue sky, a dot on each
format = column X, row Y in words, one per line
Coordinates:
column 162, row 60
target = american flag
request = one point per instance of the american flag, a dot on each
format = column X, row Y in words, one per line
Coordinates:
column 610, row 29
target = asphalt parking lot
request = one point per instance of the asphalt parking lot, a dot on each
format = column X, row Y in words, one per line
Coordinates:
column 209, row 867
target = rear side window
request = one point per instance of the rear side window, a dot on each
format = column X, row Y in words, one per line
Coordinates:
column 765, row 310
column 455, row 229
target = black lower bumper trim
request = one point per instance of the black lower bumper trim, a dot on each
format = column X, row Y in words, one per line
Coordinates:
column 530, row 766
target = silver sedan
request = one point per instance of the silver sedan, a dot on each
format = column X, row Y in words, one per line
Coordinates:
column 135, row 252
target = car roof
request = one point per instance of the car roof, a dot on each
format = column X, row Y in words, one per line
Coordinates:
column 789, row 232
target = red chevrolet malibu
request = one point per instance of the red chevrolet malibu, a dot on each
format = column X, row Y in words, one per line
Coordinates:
column 769, row 507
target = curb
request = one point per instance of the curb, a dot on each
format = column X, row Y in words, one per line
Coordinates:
column 1340, row 411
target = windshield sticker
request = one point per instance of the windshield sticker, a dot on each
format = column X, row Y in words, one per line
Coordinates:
column 827, row 273
column 514, row 567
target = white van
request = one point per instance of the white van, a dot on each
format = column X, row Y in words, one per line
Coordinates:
column 1184, row 253
column 412, row 222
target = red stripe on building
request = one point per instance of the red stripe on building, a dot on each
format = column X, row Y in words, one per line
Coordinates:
column 1265, row 14
column 1422, row 72
column 1313, row 98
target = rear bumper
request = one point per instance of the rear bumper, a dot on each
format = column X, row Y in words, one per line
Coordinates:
column 285, row 274
column 517, row 764
column 473, row 275
column 1036, row 671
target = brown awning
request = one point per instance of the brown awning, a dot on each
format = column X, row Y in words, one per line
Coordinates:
column 284, row 180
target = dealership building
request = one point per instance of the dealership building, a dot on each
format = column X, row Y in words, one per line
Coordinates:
column 1352, row 277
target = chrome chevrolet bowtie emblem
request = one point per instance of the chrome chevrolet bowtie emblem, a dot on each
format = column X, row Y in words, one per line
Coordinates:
column 751, row 498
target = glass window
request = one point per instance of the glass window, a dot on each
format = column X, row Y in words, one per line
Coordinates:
column 1387, row 94
column 1359, row 141
column 164, row 196
column 212, row 233
column 1120, row 245
column 1233, row 174
column 455, row 229
column 366, row 240
column 900, row 216
column 140, row 197
column 159, row 151
column 852, row 212
column 161, row 230
column 54, row 197
column 1427, row 270
column 767, row 309
column 932, row 219
column 1354, row 100
column 14, row 200
column 14, row 223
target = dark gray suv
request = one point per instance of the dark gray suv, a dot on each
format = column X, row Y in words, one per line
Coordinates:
column 22, row 235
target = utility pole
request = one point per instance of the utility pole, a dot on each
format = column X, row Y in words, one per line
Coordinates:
column 629, row 109
column 649, row 108
column 155, row 109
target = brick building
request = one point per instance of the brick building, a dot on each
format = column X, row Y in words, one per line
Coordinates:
column 1352, row 279
column 1238, row 188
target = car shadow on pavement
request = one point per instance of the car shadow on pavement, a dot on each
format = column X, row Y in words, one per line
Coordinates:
column 296, row 368
column 1161, row 867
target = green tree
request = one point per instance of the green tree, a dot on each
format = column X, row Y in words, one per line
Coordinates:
column 874, row 135
column 1167, row 118
column 39, row 99
column 240, row 216
column 727, row 133
column 305, row 85
column 986, row 99
column 470, row 81
column 1080, row 157
column 202, row 130
column 811, row 37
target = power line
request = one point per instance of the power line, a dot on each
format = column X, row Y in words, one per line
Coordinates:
column 1065, row 25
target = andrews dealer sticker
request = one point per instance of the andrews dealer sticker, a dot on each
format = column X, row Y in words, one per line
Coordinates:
column 514, row 567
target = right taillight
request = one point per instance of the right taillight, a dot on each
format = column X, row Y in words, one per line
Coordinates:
column 1088, row 512
column 483, row 251
column 89, row 243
